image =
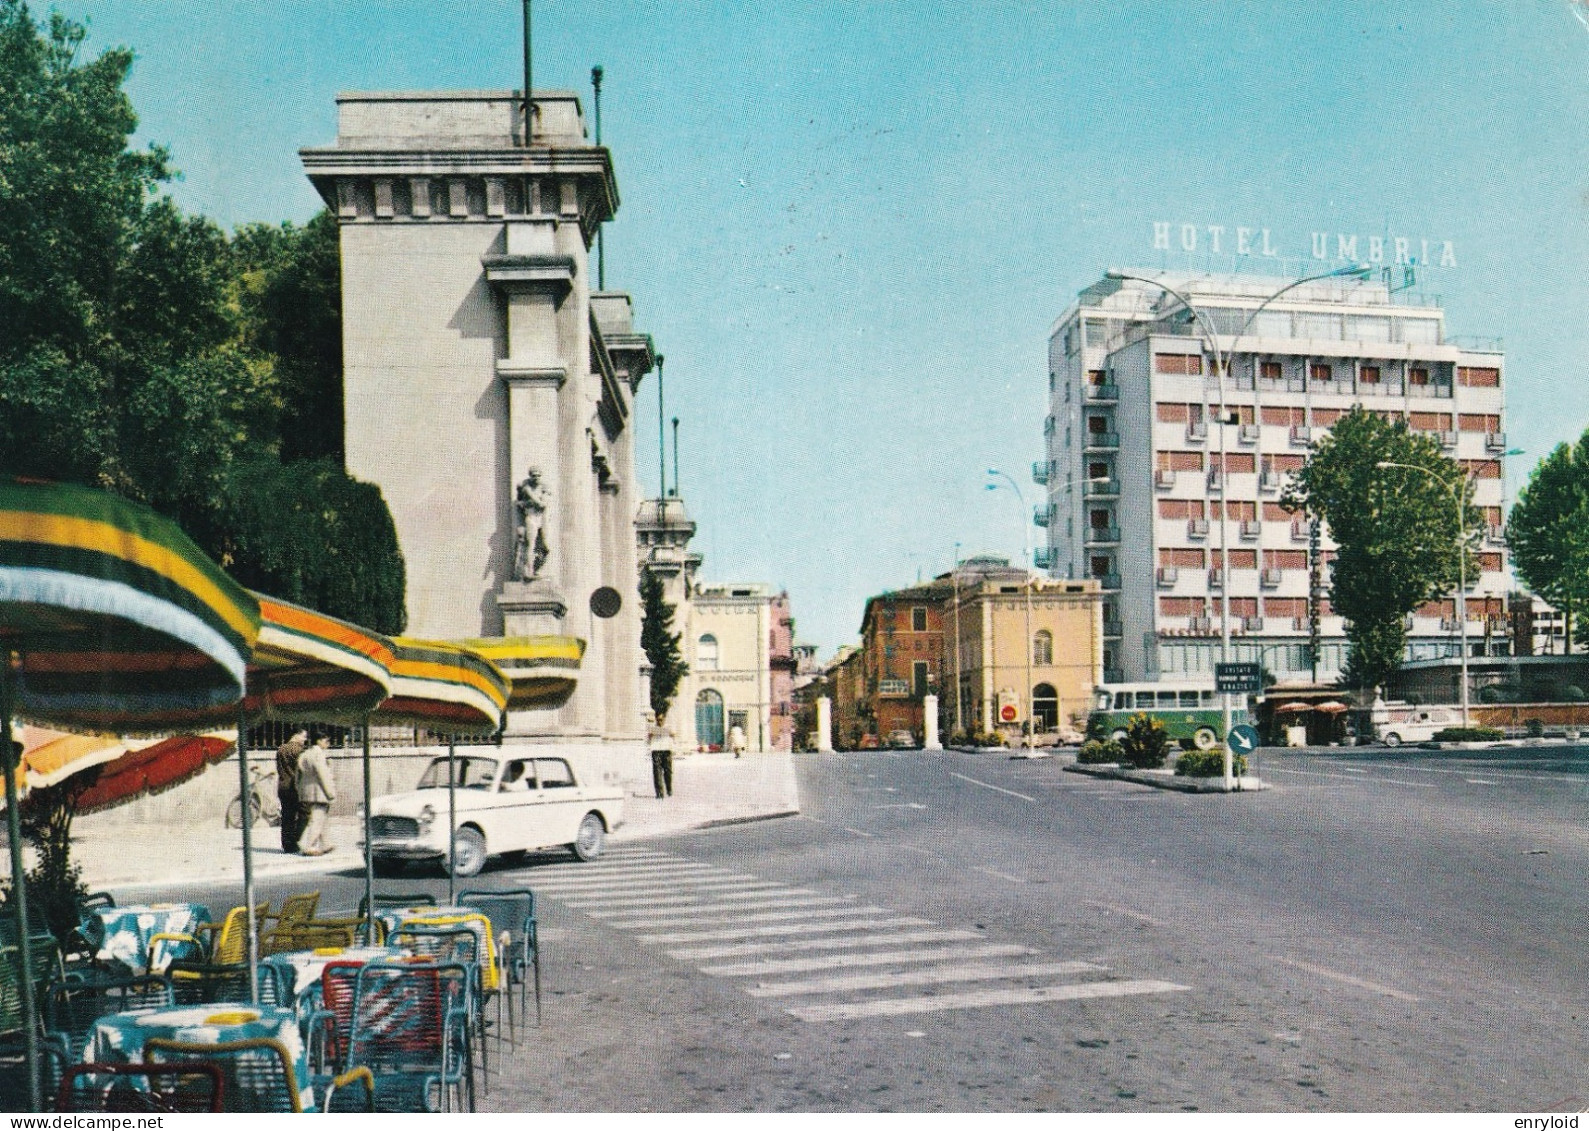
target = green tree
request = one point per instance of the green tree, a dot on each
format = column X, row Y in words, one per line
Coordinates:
column 1395, row 529
column 1549, row 530
column 143, row 352
column 660, row 644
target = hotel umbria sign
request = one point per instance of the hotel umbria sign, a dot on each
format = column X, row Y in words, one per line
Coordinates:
column 1326, row 247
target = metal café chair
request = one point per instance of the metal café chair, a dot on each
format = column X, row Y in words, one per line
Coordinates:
column 193, row 1086
column 460, row 946
column 410, row 1029
column 257, row 1075
column 518, row 958
column 71, row 1008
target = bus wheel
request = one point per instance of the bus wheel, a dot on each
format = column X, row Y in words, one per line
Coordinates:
column 1204, row 738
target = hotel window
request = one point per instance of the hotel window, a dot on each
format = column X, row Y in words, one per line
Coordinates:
column 1368, row 375
column 706, row 653
column 1043, row 648
column 1271, row 371
column 1417, row 376
column 1318, row 371
column 918, row 619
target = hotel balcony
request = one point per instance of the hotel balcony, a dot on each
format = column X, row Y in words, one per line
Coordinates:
column 1102, row 535
column 1043, row 557
column 1040, row 472
column 1108, row 391
column 1043, row 514
column 1107, row 441
column 1167, row 576
column 1094, row 489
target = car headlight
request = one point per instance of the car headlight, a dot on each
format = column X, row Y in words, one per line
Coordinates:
column 427, row 817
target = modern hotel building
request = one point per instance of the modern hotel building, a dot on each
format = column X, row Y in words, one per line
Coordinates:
column 1153, row 462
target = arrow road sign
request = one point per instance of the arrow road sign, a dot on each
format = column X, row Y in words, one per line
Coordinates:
column 1242, row 739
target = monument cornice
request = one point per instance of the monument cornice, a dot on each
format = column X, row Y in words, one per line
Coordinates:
column 516, row 373
column 554, row 271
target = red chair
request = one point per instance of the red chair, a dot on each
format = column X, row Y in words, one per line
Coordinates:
column 191, row 1087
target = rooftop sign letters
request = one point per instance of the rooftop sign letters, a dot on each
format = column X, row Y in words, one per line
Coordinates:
column 1327, row 247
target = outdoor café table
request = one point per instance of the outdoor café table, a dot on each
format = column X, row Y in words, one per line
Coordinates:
column 121, row 1037
column 426, row 915
column 122, row 934
column 304, row 967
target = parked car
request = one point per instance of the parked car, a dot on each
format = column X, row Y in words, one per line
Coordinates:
column 1397, row 723
column 507, row 803
column 901, row 740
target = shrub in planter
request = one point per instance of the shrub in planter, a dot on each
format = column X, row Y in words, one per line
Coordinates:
column 1470, row 734
column 1099, row 751
column 1535, row 727
column 1208, row 764
column 1145, row 745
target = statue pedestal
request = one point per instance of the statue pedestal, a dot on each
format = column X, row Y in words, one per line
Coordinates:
column 531, row 608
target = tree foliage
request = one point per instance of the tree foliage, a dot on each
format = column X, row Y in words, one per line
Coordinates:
column 1396, row 529
column 1549, row 530
column 660, row 644
column 144, row 352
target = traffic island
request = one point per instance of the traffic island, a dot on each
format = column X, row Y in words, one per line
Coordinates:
column 1164, row 779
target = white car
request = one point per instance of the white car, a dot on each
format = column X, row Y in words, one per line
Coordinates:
column 507, row 803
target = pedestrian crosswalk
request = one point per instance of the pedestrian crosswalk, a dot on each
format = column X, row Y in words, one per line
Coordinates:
column 820, row 956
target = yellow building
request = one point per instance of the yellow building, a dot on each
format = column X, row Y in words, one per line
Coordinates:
column 1024, row 647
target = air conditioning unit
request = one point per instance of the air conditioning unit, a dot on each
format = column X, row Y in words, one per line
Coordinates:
column 1252, row 624
column 1251, row 528
column 1270, row 579
column 1197, row 430
column 1248, row 434
column 1216, row 579
column 1168, row 576
column 1164, row 479
column 1299, row 532
column 1496, row 535
column 1299, row 624
column 1216, row 483
column 1197, row 528
column 1269, row 481
column 1448, row 439
column 1495, row 441
column 1301, row 434
column 1199, row 624
column 1449, row 624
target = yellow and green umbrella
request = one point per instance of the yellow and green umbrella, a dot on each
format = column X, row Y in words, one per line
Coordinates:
column 543, row 670
column 111, row 621
column 308, row 665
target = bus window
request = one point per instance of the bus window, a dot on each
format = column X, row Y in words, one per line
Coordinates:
column 1189, row 698
column 1208, row 697
column 1122, row 700
column 1166, row 699
column 1144, row 700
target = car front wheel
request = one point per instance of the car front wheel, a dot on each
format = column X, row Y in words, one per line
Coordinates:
column 590, row 839
column 468, row 852
column 1393, row 739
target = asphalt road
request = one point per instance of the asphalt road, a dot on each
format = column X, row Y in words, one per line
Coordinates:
column 956, row 932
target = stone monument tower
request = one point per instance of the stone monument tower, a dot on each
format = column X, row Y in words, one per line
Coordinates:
column 488, row 391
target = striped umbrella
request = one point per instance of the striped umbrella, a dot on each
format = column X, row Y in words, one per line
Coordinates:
column 447, row 689
column 543, row 670
column 111, row 620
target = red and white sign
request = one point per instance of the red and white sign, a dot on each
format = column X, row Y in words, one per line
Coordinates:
column 1007, row 713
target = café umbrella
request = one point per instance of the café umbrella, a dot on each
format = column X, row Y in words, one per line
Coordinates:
column 111, row 621
column 446, row 689
column 542, row 670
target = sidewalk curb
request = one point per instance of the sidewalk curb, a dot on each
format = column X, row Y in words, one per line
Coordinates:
column 1166, row 781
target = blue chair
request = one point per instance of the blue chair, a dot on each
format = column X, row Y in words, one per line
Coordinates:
column 510, row 910
column 71, row 1008
column 459, row 946
column 411, row 1030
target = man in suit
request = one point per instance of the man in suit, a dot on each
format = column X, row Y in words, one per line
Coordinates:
column 292, row 815
column 318, row 791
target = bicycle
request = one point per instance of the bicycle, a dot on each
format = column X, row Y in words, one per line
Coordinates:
column 262, row 801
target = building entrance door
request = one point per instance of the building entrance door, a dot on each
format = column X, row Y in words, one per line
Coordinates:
column 709, row 719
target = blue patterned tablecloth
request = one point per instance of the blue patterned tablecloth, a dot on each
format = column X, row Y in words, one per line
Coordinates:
column 122, row 934
column 121, row 1036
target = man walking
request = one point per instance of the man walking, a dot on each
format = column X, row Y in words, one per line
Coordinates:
column 318, row 792
column 287, row 755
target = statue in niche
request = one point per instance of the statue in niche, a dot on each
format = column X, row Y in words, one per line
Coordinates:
column 529, row 543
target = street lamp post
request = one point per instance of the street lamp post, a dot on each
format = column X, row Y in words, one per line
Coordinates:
column 1221, row 364
column 1459, row 495
column 1026, row 531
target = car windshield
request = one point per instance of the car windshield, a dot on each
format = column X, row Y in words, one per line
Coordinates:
column 471, row 773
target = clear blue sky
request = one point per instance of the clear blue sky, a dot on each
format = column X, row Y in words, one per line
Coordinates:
column 849, row 225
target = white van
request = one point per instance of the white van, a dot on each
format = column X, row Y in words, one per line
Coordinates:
column 1397, row 722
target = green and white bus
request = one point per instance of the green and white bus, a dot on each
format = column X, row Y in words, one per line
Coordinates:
column 1188, row 709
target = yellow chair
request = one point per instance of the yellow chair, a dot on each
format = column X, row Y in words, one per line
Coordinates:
column 220, row 944
column 296, row 911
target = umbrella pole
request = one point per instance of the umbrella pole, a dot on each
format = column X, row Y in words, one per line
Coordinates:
column 369, row 850
column 30, row 1007
column 452, row 821
column 248, row 856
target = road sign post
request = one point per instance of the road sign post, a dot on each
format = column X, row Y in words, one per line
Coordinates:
column 1238, row 679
